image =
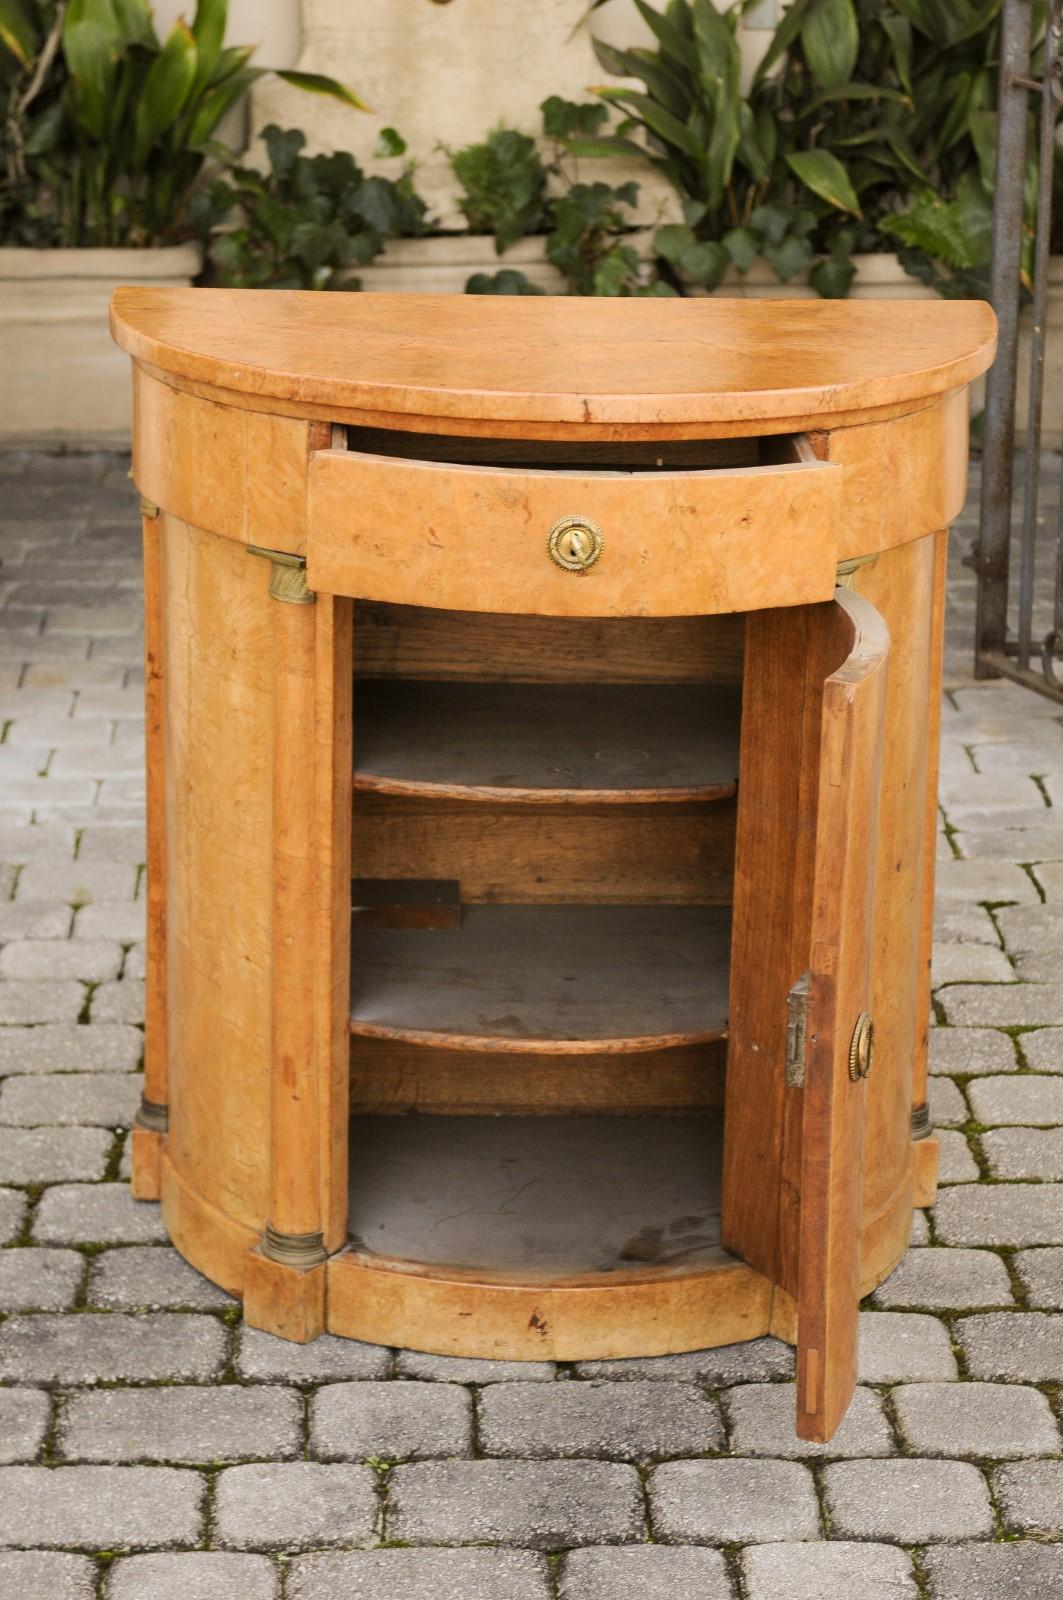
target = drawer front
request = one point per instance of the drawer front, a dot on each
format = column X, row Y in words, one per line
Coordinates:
column 571, row 544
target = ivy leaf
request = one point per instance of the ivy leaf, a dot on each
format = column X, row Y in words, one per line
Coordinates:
column 389, row 143
column 824, row 174
column 705, row 262
column 507, row 281
column 832, row 279
column 741, row 246
column 670, row 241
column 789, row 258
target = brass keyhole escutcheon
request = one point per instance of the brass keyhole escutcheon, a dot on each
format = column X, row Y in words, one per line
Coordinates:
column 575, row 543
column 862, row 1049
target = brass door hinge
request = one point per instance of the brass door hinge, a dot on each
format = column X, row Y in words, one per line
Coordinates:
column 797, row 1032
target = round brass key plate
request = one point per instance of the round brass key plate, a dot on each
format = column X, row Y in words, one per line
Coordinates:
column 575, row 543
column 862, row 1048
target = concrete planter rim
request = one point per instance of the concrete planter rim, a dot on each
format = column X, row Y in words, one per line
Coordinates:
column 120, row 263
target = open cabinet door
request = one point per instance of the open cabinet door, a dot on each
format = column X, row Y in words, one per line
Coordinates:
column 839, row 1030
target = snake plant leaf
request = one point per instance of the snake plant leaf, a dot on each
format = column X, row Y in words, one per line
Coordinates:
column 134, row 19
column 824, row 174
column 17, row 33
column 657, row 118
column 856, row 91
column 898, row 31
column 831, row 38
column 233, row 60
column 166, row 90
column 721, row 67
column 318, row 83
column 609, row 144
column 784, row 36
column 673, row 40
column 212, row 105
column 91, row 48
column 208, row 30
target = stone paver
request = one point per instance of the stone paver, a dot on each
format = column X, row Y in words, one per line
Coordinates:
column 100, row 1508
column 1041, row 1274
column 62, row 1047
column 150, row 1277
column 39, row 1280
column 989, row 1572
column 104, row 1213
column 948, row 1109
column 1001, row 1214
column 111, row 1347
column 827, row 1572
column 985, row 1420
column 759, row 1361
column 46, row 1575
column 1027, row 1098
column 41, row 1000
column 762, row 1417
column 397, row 1421
column 635, row 1421
column 956, row 1164
column 645, row 1572
column 1030, row 1496
column 729, row 1502
column 545, row 1505
column 97, row 1099
column 194, row 1575
column 1024, row 1152
column 295, row 1506
column 902, row 1347
column 12, row 1212
column 970, row 1050
column 1002, row 1005
column 51, row 1155
column 465, row 1369
column 908, row 1502
column 1017, row 1348
column 1044, row 1049
column 25, row 1415
column 91, row 960
column 423, row 1575
column 944, row 1280
column 182, row 1425
column 970, row 963
column 260, row 1356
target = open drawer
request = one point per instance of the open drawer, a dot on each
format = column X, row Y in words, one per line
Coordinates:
column 573, row 543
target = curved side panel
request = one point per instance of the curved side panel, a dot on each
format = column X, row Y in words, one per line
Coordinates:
column 219, row 720
column 215, row 1244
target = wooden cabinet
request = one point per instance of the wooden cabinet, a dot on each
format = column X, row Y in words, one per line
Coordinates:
column 541, row 725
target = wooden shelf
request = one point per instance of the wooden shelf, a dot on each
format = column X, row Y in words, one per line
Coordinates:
column 520, row 1196
column 550, row 979
column 586, row 743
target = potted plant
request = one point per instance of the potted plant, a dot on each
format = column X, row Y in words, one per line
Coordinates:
column 107, row 132
column 534, row 227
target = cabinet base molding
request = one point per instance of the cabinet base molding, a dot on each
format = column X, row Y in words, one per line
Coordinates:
column 287, row 1301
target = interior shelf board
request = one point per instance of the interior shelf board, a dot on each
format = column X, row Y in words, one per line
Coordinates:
column 547, row 978
column 585, row 743
column 550, row 1196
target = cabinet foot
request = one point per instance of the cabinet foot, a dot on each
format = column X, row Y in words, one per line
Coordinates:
column 146, row 1150
column 925, row 1171
column 284, row 1300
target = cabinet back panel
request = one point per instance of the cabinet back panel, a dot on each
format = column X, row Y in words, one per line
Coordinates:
column 667, row 855
column 418, row 642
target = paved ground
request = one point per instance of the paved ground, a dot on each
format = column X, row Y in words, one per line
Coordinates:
column 156, row 1450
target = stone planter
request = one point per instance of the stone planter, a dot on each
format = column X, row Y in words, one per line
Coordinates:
column 442, row 263
column 64, row 378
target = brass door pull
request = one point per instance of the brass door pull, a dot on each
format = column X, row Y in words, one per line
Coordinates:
column 862, row 1048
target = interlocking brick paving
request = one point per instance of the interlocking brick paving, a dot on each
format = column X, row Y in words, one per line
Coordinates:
column 152, row 1448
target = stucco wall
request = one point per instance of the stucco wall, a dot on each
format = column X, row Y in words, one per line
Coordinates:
column 446, row 73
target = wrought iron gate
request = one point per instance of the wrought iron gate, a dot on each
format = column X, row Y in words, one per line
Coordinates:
column 1027, row 654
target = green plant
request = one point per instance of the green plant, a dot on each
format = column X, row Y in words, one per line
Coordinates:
column 307, row 222
column 107, row 127
column 868, row 125
column 503, row 179
column 507, row 183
